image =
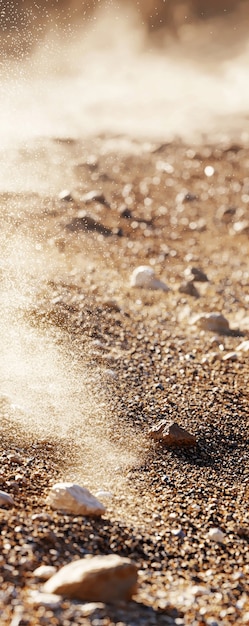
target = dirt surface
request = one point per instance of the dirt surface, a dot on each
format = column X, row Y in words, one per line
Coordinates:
column 90, row 364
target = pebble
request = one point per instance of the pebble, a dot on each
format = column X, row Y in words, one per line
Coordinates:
column 199, row 275
column 144, row 277
column 215, row 534
column 49, row 600
column 6, row 499
column 215, row 322
column 88, row 609
column 243, row 346
column 65, row 195
column 173, row 435
column 87, row 222
column 104, row 494
column 94, row 196
column 230, row 356
column 44, row 572
column 75, row 500
column 97, row 579
column 189, row 288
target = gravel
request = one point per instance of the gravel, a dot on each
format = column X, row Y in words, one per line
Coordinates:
column 151, row 361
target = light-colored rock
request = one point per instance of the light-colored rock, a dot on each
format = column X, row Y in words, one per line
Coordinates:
column 144, row 277
column 107, row 495
column 44, row 572
column 90, row 609
column 73, row 499
column 6, row 499
column 230, row 356
column 215, row 534
column 98, row 579
column 215, row 322
column 65, row 195
column 48, row 600
column 243, row 346
column 173, row 435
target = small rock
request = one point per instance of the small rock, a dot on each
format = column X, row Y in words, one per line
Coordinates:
column 86, row 222
column 104, row 494
column 91, row 609
column 215, row 322
column 199, row 275
column 111, row 305
column 230, row 356
column 189, row 288
column 6, row 499
column 190, row 197
column 125, row 213
column 44, row 572
column 41, row 517
column 243, row 346
column 144, row 277
column 242, row 226
column 172, row 436
column 215, row 534
column 75, row 500
column 98, row 579
column 95, row 196
column 48, row 600
column 65, row 195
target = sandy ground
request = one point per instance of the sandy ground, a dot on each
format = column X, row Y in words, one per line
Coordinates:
column 90, row 364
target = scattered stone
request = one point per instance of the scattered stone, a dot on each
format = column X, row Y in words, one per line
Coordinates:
column 230, row 356
column 189, row 288
column 95, row 196
column 91, row 609
column 144, row 277
column 75, row 500
column 44, row 572
column 190, row 197
column 6, row 499
column 86, row 222
column 215, row 322
column 243, row 346
column 98, row 579
column 126, row 213
column 226, row 215
column 199, row 275
column 104, row 494
column 172, row 436
column 111, row 305
column 241, row 226
column 215, row 534
column 66, row 196
column 48, row 600
column 41, row 517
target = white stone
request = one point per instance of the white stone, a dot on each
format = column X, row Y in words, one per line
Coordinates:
column 73, row 499
column 49, row 600
column 230, row 356
column 144, row 277
column 104, row 494
column 243, row 347
column 215, row 534
column 6, row 499
column 44, row 572
column 97, row 579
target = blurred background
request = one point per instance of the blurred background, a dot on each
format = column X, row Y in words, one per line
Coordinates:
column 156, row 68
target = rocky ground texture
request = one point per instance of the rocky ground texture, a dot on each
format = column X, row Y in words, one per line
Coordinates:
column 151, row 356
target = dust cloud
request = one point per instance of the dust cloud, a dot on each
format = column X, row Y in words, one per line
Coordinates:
column 71, row 70
column 51, row 394
column 160, row 71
